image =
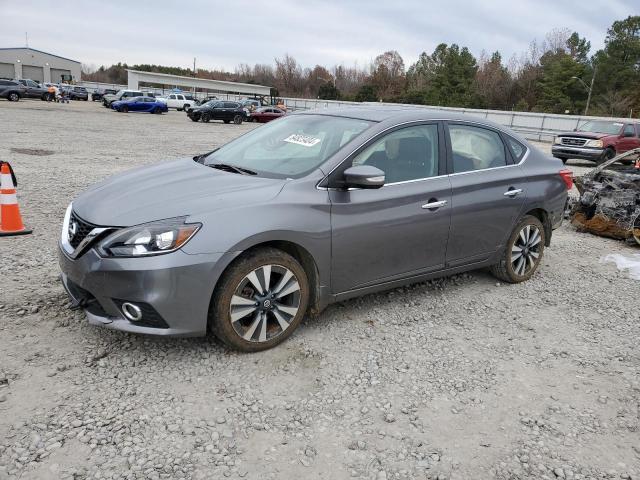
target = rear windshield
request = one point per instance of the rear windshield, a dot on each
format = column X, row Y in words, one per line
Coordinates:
column 596, row 126
column 290, row 147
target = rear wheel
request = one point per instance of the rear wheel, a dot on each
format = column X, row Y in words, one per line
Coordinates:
column 13, row 97
column 523, row 252
column 124, row 109
column 260, row 301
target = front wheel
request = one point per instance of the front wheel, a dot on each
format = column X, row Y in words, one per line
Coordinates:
column 206, row 118
column 260, row 301
column 608, row 154
column 237, row 119
column 124, row 109
column 523, row 252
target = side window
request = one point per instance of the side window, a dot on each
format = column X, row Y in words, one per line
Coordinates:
column 475, row 148
column 516, row 148
column 172, row 97
column 628, row 129
column 409, row 153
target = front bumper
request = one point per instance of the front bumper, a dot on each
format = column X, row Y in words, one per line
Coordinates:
column 585, row 153
column 177, row 286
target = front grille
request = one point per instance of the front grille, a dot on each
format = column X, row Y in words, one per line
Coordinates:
column 574, row 142
column 82, row 229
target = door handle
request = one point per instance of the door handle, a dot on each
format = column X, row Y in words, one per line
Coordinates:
column 432, row 205
column 512, row 192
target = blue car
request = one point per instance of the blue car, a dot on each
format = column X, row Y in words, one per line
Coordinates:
column 140, row 104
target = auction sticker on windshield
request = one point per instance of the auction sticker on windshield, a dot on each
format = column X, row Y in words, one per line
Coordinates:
column 304, row 140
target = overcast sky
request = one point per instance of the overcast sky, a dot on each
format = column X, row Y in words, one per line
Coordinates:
column 222, row 34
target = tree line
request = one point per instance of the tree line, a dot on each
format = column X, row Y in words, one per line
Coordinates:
column 554, row 75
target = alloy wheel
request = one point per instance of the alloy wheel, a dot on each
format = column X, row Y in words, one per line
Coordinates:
column 525, row 251
column 264, row 303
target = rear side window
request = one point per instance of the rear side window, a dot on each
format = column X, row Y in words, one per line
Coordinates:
column 628, row 129
column 516, row 148
column 476, row 148
column 231, row 105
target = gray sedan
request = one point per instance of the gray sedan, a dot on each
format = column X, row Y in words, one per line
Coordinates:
column 311, row 209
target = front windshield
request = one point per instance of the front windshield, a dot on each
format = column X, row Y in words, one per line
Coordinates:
column 289, row 147
column 610, row 128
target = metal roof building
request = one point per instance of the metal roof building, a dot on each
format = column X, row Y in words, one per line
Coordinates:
column 137, row 76
column 25, row 62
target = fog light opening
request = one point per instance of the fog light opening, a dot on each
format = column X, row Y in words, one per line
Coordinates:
column 131, row 312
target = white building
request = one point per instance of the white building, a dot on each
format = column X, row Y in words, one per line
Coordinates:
column 37, row 65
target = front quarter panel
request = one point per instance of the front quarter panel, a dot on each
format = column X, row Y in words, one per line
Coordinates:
column 299, row 214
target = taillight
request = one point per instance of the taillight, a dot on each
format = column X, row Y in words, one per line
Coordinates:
column 567, row 177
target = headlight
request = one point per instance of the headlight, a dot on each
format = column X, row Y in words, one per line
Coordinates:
column 557, row 140
column 153, row 238
column 593, row 143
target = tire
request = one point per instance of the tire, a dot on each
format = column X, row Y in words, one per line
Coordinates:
column 206, row 118
column 259, row 316
column 124, row 109
column 511, row 270
column 185, row 107
column 195, row 118
column 13, row 97
column 608, row 154
column 237, row 119
column 157, row 111
column 44, row 97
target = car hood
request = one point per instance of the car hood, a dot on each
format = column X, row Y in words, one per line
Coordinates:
column 591, row 135
column 170, row 189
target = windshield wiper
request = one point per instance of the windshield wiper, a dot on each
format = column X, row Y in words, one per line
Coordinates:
column 232, row 168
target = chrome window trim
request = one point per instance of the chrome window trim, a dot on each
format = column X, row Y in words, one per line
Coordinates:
column 375, row 137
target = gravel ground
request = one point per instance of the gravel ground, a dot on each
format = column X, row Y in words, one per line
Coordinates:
column 458, row 378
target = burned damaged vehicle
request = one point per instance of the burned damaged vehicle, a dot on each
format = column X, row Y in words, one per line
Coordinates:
column 609, row 203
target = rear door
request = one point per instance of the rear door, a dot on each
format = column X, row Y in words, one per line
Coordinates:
column 401, row 229
column 488, row 192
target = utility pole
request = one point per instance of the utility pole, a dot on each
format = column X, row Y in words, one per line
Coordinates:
column 588, row 89
column 586, row 108
column 26, row 39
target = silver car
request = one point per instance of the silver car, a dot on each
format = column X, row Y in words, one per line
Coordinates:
column 311, row 209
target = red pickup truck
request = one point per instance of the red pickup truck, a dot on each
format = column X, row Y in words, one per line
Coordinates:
column 597, row 140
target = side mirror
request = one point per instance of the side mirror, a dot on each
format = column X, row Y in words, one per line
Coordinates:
column 363, row 176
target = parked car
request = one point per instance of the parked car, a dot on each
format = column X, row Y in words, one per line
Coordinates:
column 120, row 95
column 180, row 101
column 140, row 104
column 98, row 94
column 266, row 114
column 77, row 93
column 12, row 90
column 315, row 208
column 219, row 110
column 597, row 140
column 33, row 89
column 251, row 104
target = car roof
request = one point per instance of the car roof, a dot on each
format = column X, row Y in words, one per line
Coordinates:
column 401, row 114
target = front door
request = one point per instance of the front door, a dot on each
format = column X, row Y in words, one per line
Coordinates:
column 402, row 228
column 488, row 192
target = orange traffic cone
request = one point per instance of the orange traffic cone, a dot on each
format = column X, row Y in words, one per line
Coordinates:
column 10, row 220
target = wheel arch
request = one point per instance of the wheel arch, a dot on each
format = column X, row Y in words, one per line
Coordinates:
column 542, row 215
column 302, row 256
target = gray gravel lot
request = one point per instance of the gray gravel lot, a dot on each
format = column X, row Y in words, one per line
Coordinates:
column 459, row 378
